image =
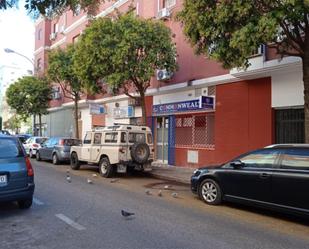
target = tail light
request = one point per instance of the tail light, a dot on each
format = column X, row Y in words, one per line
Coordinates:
column 29, row 167
column 35, row 145
column 61, row 142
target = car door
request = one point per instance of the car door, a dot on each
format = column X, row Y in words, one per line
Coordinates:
column 50, row 149
column 85, row 150
column 252, row 180
column 96, row 146
column 44, row 148
column 291, row 179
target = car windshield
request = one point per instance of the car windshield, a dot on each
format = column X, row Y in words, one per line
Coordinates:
column 9, row 148
column 40, row 140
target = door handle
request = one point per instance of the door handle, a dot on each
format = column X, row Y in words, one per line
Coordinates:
column 264, row 175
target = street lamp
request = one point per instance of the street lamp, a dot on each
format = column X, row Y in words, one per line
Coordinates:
column 11, row 51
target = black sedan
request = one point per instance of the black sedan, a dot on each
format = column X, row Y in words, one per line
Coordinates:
column 275, row 177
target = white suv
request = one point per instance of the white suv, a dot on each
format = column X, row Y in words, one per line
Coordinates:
column 115, row 148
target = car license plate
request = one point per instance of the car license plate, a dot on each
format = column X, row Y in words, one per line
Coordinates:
column 3, row 180
column 121, row 168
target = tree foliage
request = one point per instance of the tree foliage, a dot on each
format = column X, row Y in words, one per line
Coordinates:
column 49, row 8
column 230, row 30
column 29, row 96
column 60, row 70
column 124, row 53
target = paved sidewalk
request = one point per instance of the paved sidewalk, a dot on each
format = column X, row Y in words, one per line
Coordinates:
column 171, row 173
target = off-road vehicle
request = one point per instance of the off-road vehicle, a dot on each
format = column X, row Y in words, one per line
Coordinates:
column 118, row 148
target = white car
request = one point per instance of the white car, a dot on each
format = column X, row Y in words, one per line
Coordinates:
column 32, row 145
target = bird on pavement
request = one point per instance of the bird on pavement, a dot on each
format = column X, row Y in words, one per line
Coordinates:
column 89, row 181
column 166, row 187
column 126, row 214
column 175, row 195
column 114, row 180
column 160, row 193
column 147, row 192
column 69, row 179
column 94, row 175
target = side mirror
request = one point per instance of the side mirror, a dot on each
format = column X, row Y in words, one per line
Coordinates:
column 237, row 164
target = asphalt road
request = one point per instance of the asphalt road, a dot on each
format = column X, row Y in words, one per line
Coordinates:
column 81, row 215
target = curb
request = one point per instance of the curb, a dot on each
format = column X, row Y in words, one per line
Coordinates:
column 169, row 178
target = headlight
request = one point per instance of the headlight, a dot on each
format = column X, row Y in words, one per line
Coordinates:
column 196, row 172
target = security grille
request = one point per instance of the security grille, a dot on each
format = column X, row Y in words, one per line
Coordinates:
column 195, row 131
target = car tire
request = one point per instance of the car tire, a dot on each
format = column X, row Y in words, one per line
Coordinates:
column 25, row 204
column 55, row 159
column 74, row 162
column 140, row 152
column 105, row 168
column 37, row 156
column 30, row 154
column 210, row 192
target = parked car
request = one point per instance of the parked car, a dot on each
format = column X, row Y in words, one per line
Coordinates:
column 5, row 132
column 116, row 148
column 32, row 144
column 16, row 173
column 274, row 177
column 56, row 149
column 23, row 137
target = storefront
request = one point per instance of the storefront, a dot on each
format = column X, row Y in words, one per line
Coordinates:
column 187, row 125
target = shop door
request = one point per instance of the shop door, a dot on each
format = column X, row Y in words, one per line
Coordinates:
column 162, row 139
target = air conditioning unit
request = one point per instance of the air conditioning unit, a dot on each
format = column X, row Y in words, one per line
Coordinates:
column 62, row 29
column 163, row 13
column 164, row 75
column 52, row 36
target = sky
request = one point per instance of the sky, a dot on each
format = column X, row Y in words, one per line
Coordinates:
column 16, row 33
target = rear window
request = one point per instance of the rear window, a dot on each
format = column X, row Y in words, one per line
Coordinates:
column 10, row 148
column 40, row 140
column 137, row 137
column 71, row 142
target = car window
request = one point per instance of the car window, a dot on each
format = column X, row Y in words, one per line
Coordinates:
column 137, row 137
column 10, row 148
column 70, row 142
column 123, row 137
column 97, row 138
column 260, row 158
column 40, row 140
column 111, row 137
column 295, row 159
column 87, row 139
column 149, row 138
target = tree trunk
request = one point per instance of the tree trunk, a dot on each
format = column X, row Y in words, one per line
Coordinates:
column 40, row 125
column 76, row 116
column 33, row 125
column 143, row 106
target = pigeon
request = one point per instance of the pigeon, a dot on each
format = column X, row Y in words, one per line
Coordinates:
column 94, row 175
column 126, row 214
column 69, row 179
column 166, row 187
column 114, row 180
column 175, row 195
column 160, row 193
column 68, row 171
column 147, row 191
column 89, row 181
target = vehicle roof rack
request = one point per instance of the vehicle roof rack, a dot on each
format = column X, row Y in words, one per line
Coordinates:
column 128, row 124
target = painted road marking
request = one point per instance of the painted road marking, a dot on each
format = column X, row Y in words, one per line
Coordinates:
column 70, row 222
column 38, row 202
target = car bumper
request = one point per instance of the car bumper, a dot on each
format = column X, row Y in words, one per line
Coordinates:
column 64, row 156
column 194, row 184
column 17, row 194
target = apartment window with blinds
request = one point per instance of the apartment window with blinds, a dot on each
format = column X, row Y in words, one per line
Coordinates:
column 195, row 131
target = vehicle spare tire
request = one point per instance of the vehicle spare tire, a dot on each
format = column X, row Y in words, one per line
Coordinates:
column 140, row 152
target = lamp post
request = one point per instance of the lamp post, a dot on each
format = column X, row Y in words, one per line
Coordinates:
column 11, row 51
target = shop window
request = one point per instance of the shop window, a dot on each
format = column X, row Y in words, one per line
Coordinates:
column 195, row 131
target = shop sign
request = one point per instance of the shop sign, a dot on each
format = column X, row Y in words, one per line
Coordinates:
column 202, row 103
column 96, row 109
column 123, row 112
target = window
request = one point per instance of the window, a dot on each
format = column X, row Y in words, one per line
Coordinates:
column 39, row 34
column 149, row 138
column 296, row 159
column 9, row 148
column 111, row 137
column 97, row 138
column 195, row 131
column 137, row 137
column 87, row 139
column 123, row 137
column 260, row 158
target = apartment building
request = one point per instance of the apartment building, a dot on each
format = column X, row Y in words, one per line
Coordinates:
column 203, row 114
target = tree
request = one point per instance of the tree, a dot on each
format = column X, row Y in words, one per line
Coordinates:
column 13, row 123
column 229, row 31
column 60, row 70
column 124, row 53
column 53, row 7
column 29, row 96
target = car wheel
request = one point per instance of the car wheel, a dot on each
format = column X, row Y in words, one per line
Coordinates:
column 30, row 154
column 55, row 159
column 210, row 192
column 140, row 152
column 38, row 157
column 105, row 168
column 25, row 204
column 75, row 163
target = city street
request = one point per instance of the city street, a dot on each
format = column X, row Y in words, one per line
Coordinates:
column 79, row 214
